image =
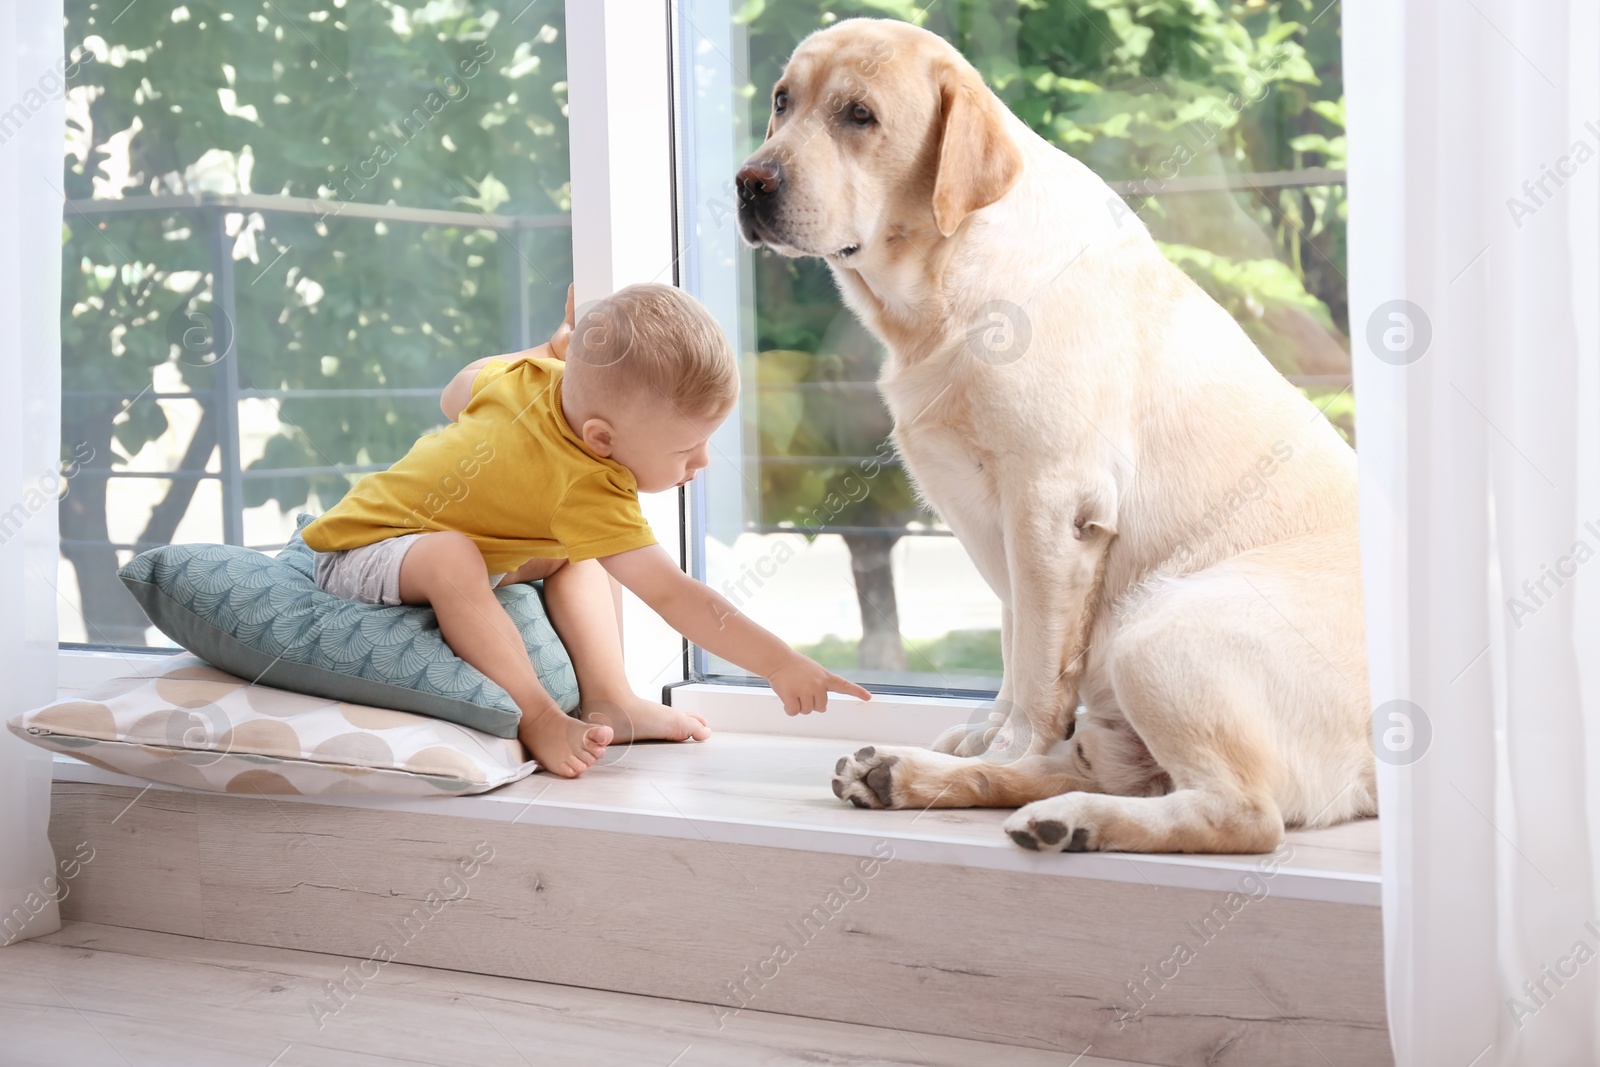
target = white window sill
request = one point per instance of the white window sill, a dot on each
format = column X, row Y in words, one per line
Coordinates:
column 747, row 789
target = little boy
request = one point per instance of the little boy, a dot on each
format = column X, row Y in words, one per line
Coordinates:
column 538, row 477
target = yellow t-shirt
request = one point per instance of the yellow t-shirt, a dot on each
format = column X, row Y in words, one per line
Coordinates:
column 509, row 473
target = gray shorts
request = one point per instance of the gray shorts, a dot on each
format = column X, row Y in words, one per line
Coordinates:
column 369, row 574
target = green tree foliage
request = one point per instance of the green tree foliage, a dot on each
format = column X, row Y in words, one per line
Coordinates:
column 455, row 105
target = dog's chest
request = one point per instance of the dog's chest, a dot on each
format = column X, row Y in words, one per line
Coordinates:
column 943, row 452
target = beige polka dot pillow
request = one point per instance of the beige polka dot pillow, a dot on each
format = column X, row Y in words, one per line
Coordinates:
column 193, row 725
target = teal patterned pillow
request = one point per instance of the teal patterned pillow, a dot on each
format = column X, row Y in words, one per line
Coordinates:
column 265, row 620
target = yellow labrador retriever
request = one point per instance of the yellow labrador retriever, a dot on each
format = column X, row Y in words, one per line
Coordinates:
column 1169, row 525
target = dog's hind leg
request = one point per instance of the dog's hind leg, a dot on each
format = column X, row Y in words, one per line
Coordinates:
column 1223, row 694
column 1217, row 806
column 1188, row 820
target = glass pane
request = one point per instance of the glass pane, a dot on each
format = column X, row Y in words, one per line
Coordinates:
column 1222, row 125
column 288, row 225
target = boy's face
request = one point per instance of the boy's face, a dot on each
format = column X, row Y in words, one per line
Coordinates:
column 661, row 446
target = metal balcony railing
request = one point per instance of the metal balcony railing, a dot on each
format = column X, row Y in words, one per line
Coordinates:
column 210, row 210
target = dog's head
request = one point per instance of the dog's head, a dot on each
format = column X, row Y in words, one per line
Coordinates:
column 879, row 130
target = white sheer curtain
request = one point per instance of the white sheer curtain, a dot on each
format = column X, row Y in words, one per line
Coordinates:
column 1475, row 313
column 32, row 126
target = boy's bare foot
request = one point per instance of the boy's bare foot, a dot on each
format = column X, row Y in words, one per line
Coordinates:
column 561, row 744
column 637, row 719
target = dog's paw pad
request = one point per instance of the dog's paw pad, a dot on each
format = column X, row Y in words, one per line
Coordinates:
column 880, row 780
column 1025, row 839
column 866, row 779
column 1048, row 827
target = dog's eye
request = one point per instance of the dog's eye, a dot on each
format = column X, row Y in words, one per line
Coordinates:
column 780, row 102
column 860, row 114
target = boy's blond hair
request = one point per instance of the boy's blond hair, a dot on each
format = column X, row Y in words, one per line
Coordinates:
column 653, row 342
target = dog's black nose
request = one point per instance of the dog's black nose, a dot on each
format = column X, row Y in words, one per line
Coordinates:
column 756, row 180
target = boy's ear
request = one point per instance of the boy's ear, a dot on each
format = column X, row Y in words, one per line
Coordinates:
column 599, row 435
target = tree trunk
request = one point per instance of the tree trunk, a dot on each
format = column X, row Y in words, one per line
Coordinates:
column 165, row 516
column 111, row 615
column 881, row 646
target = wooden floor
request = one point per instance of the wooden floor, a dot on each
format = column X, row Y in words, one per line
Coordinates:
column 92, row 995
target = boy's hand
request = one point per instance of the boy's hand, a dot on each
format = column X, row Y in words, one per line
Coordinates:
column 563, row 334
column 804, row 684
column 708, row 620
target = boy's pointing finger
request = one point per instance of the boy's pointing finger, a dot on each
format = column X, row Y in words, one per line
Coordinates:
column 837, row 684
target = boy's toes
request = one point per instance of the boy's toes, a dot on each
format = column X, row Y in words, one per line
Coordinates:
column 696, row 727
column 595, row 740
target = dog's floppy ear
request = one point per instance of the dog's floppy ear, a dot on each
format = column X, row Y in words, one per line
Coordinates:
column 978, row 163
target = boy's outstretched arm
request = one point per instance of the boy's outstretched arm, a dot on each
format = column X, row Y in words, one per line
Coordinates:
column 697, row 612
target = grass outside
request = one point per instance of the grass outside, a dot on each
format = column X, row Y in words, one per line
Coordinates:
column 965, row 651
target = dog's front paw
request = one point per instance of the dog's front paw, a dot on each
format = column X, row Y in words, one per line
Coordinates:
column 1058, row 824
column 1002, row 735
column 966, row 739
column 867, row 779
